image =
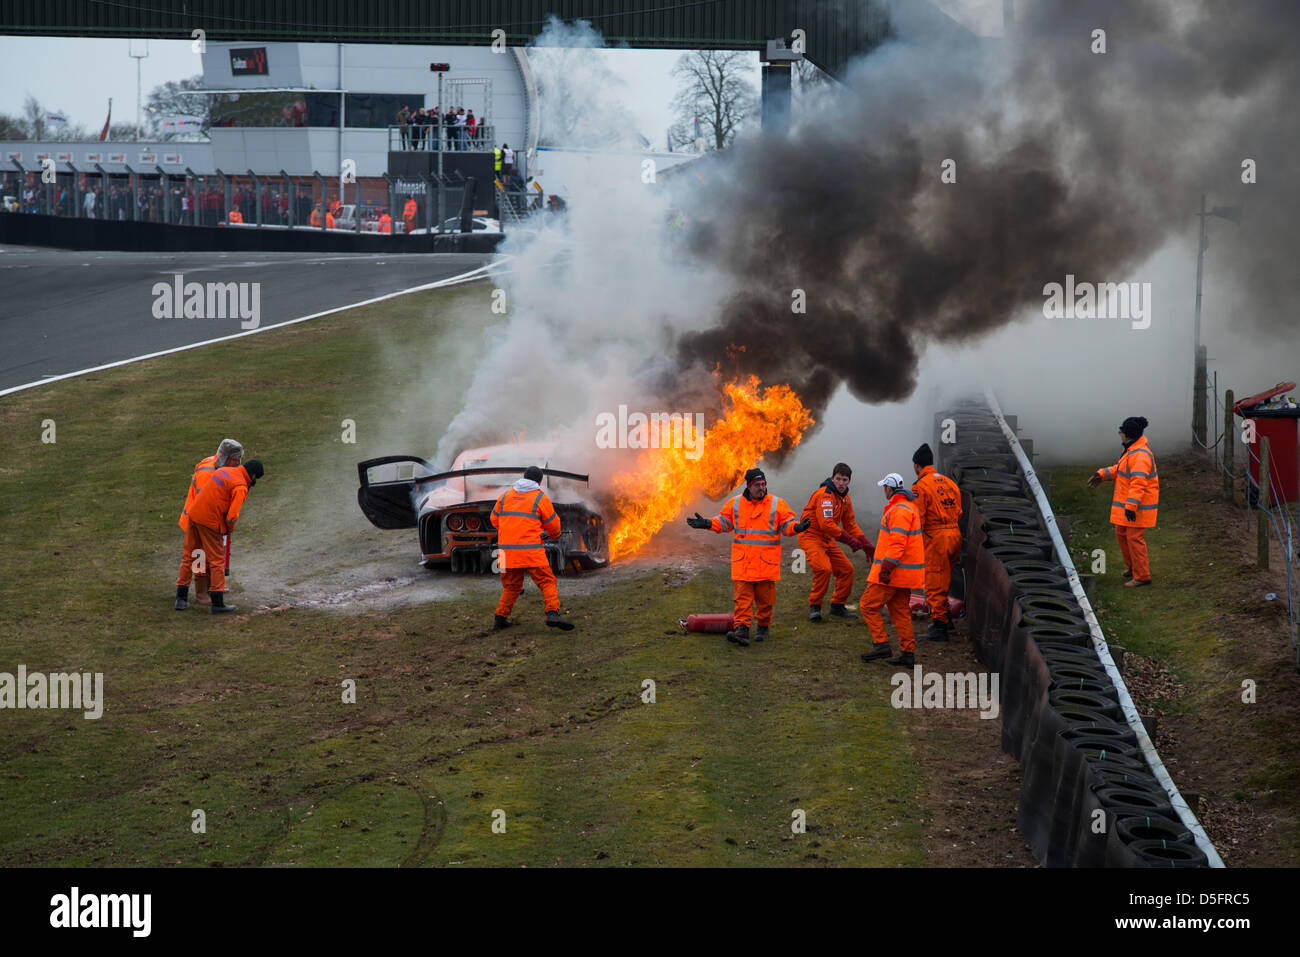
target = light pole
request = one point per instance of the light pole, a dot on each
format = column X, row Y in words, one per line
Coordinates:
column 138, row 57
column 440, row 69
column 1232, row 214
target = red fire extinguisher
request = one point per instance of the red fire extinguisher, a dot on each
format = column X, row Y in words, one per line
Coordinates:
column 714, row 624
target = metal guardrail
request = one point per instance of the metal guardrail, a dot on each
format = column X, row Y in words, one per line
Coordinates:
column 426, row 138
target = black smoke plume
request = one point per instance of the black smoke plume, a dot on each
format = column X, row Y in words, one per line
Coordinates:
column 1067, row 160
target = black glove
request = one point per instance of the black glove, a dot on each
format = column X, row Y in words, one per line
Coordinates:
column 885, row 571
column 699, row 521
column 802, row 526
column 1131, row 515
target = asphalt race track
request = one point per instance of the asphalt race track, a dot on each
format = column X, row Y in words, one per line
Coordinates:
column 62, row 311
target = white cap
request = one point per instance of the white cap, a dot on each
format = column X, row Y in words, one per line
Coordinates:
column 893, row 479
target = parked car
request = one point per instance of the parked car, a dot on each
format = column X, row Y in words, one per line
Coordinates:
column 450, row 509
column 480, row 224
column 346, row 217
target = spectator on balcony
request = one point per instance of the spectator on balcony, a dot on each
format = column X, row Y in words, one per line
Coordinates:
column 471, row 127
column 461, row 128
column 507, row 162
column 418, row 127
column 404, row 125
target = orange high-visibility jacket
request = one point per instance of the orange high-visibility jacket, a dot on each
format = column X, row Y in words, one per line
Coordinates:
column 519, row 518
column 756, row 529
column 218, row 503
column 329, row 220
column 899, row 544
column 1137, row 486
column 385, row 223
column 315, row 218
column 235, row 216
column 831, row 514
column 410, row 209
column 938, row 500
column 202, row 472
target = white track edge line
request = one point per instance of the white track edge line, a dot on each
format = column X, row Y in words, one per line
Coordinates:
column 470, row 276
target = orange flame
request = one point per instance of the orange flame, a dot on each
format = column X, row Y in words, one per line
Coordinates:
column 756, row 421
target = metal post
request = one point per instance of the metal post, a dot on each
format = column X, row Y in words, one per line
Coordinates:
column 1229, row 433
column 442, row 202
column 343, row 195
column 428, row 203
column 225, row 196
column 103, row 185
column 257, row 196
column 1263, row 523
column 135, row 198
column 76, row 191
column 193, row 180
column 1198, row 369
column 324, row 203
column 1198, row 393
column 293, row 197
column 162, row 185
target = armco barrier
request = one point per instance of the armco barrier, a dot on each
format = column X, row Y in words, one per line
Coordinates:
column 27, row 229
column 1089, row 765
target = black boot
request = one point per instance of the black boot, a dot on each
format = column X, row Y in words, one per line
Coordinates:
column 938, row 631
column 838, row 611
column 881, row 650
column 762, row 633
column 500, row 621
column 906, row 659
column 182, row 597
column 219, row 606
column 553, row 620
column 740, row 636
column 814, row 612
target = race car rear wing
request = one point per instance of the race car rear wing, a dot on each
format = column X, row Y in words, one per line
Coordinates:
column 390, row 503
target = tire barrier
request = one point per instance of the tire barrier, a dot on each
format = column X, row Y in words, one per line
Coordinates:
column 1003, row 552
column 1142, row 781
column 1028, row 566
column 1053, row 618
column 1144, row 827
column 1041, row 581
column 1036, row 540
column 1092, row 685
column 1049, row 640
column 1136, row 801
column 1088, row 797
column 1034, row 602
column 1086, row 699
column 1168, row 854
column 1087, row 721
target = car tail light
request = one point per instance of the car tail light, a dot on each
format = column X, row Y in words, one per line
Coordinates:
column 455, row 523
column 472, row 523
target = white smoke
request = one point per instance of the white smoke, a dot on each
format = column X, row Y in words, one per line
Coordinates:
column 595, row 297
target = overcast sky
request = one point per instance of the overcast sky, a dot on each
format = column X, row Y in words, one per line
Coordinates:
column 77, row 76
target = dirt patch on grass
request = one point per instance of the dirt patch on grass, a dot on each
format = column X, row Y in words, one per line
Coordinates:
column 972, row 787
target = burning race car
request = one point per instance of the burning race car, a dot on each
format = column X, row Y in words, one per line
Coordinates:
column 450, row 509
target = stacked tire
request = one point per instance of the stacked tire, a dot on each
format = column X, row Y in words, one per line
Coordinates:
column 1108, row 809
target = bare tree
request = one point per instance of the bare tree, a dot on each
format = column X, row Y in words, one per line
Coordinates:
column 174, row 98
column 714, row 91
column 809, row 79
column 34, row 114
column 13, row 128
